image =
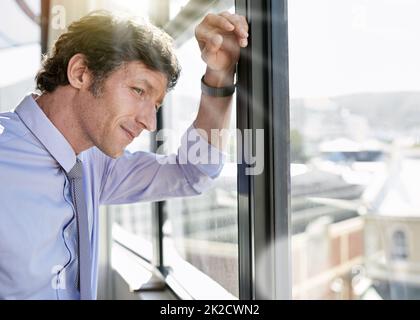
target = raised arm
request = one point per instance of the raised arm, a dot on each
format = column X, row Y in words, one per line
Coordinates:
column 220, row 38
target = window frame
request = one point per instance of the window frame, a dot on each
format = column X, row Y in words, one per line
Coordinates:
column 264, row 199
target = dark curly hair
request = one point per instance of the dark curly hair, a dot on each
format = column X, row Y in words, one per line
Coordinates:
column 107, row 42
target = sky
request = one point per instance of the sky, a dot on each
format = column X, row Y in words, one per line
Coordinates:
column 349, row 46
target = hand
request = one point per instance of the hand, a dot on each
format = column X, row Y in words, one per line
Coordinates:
column 220, row 38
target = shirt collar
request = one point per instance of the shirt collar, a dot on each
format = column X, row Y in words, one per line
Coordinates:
column 43, row 129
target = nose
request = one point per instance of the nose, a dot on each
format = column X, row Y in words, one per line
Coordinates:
column 147, row 116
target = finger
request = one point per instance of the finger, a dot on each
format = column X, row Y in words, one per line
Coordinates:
column 218, row 22
column 208, row 37
column 213, row 42
column 244, row 23
column 206, row 34
column 243, row 36
column 239, row 22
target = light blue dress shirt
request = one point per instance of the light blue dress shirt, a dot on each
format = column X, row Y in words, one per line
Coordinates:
column 37, row 220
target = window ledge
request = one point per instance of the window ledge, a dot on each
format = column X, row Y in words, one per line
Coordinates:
column 137, row 273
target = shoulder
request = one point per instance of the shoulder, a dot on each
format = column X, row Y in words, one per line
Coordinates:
column 11, row 127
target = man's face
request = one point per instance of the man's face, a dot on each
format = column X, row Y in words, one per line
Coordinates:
column 126, row 105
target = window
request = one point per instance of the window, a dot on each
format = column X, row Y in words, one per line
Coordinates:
column 350, row 228
column 200, row 233
column 399, row 246
column 354, row 87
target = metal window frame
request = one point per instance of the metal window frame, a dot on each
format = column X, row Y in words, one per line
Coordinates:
column 159, row 15
column 264, row 199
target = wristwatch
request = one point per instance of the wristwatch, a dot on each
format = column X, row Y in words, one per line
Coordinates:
column 217, row 92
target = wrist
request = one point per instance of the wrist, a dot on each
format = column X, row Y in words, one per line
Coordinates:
column 219, row 79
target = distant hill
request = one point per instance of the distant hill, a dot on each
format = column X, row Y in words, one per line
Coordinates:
column 394, row 110
column 397, row 111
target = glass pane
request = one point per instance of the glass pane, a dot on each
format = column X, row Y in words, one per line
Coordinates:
column 20, row 50
column 355, row 90
column 200, row 233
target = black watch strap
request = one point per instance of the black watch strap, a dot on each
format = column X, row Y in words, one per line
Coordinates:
column 217, row 92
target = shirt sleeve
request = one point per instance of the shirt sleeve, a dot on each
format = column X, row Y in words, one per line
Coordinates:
column 144, row 176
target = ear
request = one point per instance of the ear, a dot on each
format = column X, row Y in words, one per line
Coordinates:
column 77, row 72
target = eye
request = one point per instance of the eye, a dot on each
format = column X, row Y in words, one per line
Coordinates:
column 139, row 91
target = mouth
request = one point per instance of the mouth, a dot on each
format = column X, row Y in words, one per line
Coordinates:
column 129, row 134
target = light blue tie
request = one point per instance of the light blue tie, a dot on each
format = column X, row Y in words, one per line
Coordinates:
column 75, row 177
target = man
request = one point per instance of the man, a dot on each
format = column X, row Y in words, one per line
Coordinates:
column 62, row 152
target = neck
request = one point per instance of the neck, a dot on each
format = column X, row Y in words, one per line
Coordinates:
column 61, row 108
